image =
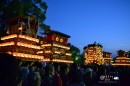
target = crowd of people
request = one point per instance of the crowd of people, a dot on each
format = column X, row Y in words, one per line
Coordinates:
column 22, row 73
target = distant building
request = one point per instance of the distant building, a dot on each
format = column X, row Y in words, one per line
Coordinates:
column 122, row 58
column 93, row 54
column 107, row 58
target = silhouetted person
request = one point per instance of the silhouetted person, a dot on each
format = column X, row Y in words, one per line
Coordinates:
column 95, row 76
column 88, row 77
column 24, row 72
column 9, row 70
column 34, row 78
column 57, row 77
column 64, row 74
column 49, row 76
column 75, row 76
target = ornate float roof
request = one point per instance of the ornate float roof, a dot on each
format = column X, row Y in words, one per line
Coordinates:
column 56, row 32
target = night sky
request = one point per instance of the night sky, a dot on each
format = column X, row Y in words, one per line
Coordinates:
column 86, row 21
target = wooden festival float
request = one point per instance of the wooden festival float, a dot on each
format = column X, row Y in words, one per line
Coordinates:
column 93, row 54
column 107, row 58
column 21, row 41
column 55, row 45
column 122, row 58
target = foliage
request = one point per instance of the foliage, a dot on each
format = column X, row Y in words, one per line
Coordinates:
column 77, row 58
column 74, row 50
column 46, row 27
column 94, row 44
column 85, row 48
column 24, row 8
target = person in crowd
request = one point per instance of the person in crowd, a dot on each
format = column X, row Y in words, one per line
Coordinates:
column 9, row 73
column 95, row 76
column 34, row 78
column 75, row 76
column 64, row 74
column 24, row 72
column 57, row 77
column 82, row 71
column 42, row 73
column 88, row 77
column 49, row 75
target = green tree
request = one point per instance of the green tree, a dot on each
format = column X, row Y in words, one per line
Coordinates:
column 77, row 58
column 74, row 50
column 25, row 8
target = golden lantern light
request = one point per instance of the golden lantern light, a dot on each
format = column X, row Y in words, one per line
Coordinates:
column 68, row 54
column 46, row 45
column 58, row 60
column 39, row 52
column 61, row 46
column 29, row 38
column 45, row 60
column 7, row 44
column 122, row 58
column 9, row 37
column 20, row 36
column 28, row 45
column 58, row 52
column 47, row 51
column 20, row 28
column 121, row 64
column 27, row 55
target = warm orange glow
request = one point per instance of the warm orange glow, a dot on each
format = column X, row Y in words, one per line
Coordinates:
column 39, row 52
column 45, row 60
column 9, row 37
column 108, row 58
column 112, row 61
column 65, row 61
column 7, row 44
column 94, row 54
column 68, row 54
column 121, row 64
column 28, row 45
column 20, row 36
column 122, row 58
column 47, row 51
column 56, row 45
column 46, row 45
column 29, row 38
column 117, row 60
column 58, row 52
column 61, row 46
column 23, row 44
column 20, row 28
column 26, row 55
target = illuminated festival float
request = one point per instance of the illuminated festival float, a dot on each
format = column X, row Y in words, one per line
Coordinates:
column 122, row 58
column 56, row 47
column 107, row 58
column 21, row 41
column 93, row 54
